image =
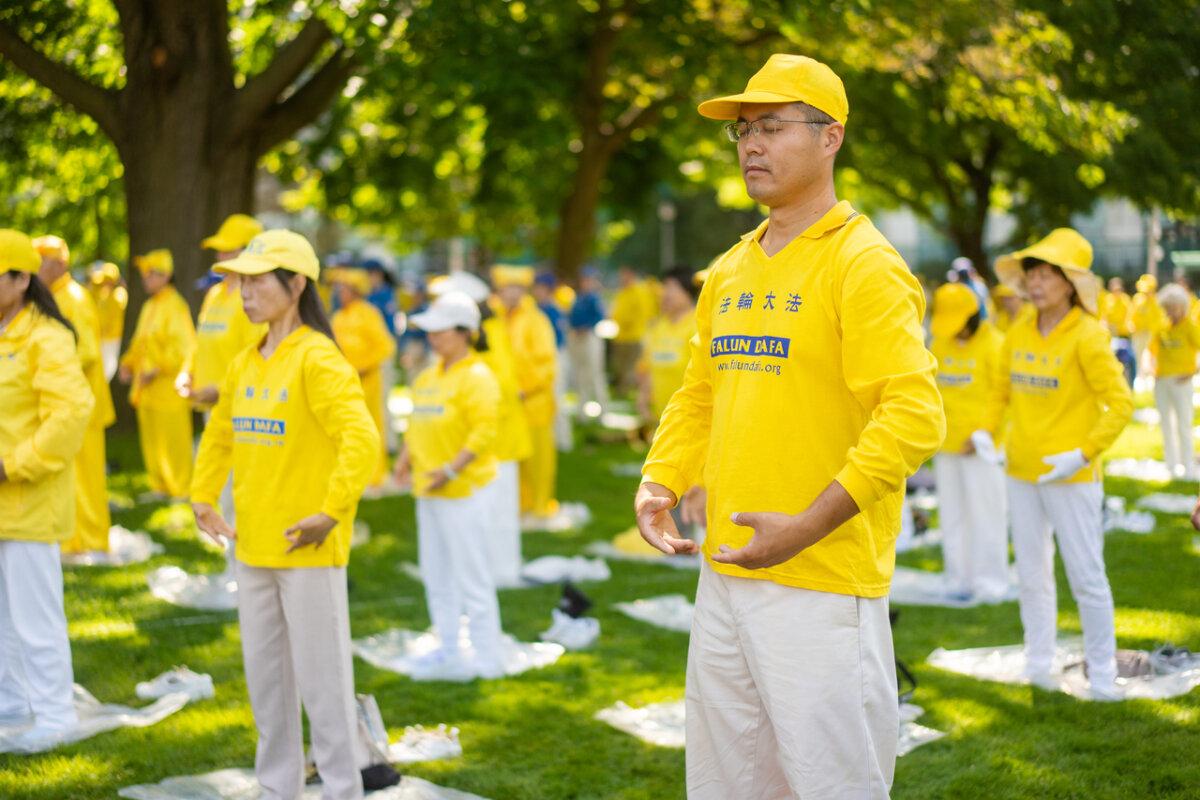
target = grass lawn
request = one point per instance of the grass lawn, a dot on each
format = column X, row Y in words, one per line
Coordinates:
column 533, row 736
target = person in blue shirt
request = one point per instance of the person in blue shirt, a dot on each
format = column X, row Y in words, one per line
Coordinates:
column 586, row 348
column 383, row 291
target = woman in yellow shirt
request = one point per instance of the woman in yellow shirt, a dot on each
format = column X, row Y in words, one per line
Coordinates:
column 971, row 501
column 292, row 425
column 1173, row 352
column 162, row 340
column 1066, row 401
column 46, row 406
column 449, row 459
column 111, row 296
column 667, row 345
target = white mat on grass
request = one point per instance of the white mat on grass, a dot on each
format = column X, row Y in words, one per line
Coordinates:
column 208, row 592
column 240, row 784
column 1007, row 665
column 931, row 537
column 419, row 743
column 1141, row 469
column 917, row 587
column 664, row 724
column 670, row 611
column 607, row 550
column 124, row 547
column 570, row 516
column 396, row 650
column 540, row 571
column 1168, row 503
column 626, row 469
column 96, row 717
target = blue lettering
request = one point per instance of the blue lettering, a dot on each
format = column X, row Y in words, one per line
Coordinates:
column 762, row 346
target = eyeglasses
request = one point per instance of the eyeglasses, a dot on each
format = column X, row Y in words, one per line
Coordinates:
column 767, row 125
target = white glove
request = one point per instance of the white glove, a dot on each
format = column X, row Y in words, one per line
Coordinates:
column 1063, row 465
column 985, row 447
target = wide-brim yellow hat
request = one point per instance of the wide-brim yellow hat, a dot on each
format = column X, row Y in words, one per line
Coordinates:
column 1001, row 290
column 953, row 305
column 786, row 79
column 17, row 253
column 357, row 279
column 509, row 275
column 155, row 261
column 272, row 250
column 1064, row 248
column 234, row 234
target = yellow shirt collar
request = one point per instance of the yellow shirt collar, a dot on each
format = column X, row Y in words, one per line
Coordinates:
column 833, row 219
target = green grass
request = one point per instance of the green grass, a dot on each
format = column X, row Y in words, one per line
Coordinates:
column 533, row 736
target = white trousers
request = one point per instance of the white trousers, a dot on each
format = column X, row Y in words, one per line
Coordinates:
column 295, row 626
column 971, row 506
column 504, row 539
column 452, row 546
column 1173, row 396
column 587, row 367
column 110, row 356
column 1074, row 512
column 563, row 437
column 35, row 653
column 791, row 693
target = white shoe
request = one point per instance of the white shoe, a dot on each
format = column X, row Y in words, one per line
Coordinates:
column 1042, row 680
column 38, row 738
column 488, row 666
column 1106, row 693
column 443, row 664
column 181, row 679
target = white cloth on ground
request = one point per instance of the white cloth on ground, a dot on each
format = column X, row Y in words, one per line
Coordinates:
column 398, row 649
column 671, row 611
column 95, row 717
column 239, row 784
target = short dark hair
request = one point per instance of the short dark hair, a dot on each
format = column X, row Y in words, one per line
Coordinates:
column 812, row 113
column 685, row 277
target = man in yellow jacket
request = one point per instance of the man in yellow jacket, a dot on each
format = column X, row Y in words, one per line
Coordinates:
column 808, row 400
column 162, row 340
column 532, row 340
column 92, row 519
column 111, row 298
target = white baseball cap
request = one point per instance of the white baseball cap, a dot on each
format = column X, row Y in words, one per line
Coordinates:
column 471, row 285
column 450, row 310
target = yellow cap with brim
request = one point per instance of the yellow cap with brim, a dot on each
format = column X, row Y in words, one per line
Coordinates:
column 104, row 271
column 155, row 261
column 953, row 305
column 1002, row 290
column 786, row 79
column 508, row 275
column 17, row 253
column 1064, row 248
column 1147, row 284
column 272, row 250
column 234, row 234
column 52, row 246
column 356, row 279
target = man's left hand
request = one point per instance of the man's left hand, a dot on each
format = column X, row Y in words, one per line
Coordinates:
column 310, row 530
column 777, row 537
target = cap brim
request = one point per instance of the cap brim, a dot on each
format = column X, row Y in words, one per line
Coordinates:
column 430, row 322
column 946, row 326
column 729, row 107
column 245, row 265
column 1010, row 271
column 221, row 245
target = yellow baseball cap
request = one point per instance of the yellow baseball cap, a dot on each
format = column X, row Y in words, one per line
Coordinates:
column 1147, row 284
column 103, row 271
column 52, row 246
column 1066, row 249
column 509, row 275
column 786, row 79
column 357, row 279
column 17, row 253
column 155, row 261
column 953, row 305
column 234, row 234
column 1004, row 290
column 271, row 250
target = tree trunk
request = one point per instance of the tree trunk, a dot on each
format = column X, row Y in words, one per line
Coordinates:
column 577, row 214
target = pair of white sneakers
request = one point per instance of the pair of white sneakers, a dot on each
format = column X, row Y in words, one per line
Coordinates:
column 449, row 664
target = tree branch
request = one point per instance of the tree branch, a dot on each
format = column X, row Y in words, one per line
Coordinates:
column 306, row 103
column 262, row 91
column 84, row 96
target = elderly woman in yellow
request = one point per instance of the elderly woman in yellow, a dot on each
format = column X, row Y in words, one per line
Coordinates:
column 46, row 406
column 362, row 333
column 1173, row 350
column 532, row 339
column 449, row 458
column 92, row 519
column 1146, row 318
column 970, row 489
column 162, row 340
column 291, row 425
column 1066, row 401
column 111, row 296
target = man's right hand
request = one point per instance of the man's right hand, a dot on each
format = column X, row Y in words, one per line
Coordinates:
column 212, row 523
column 652, row 505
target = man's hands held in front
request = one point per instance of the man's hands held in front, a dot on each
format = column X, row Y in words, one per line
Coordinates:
column 652, row 505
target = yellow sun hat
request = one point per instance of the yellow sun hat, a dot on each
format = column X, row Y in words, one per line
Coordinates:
column 953, row 305
column 509, row 275
column 155, row 261
column 52, row 246
column 272, row 250
column 17, row 253
column 786, row 79
column 357, row 279
column 1147, row 284
column 235, row 233
column 1064, row 248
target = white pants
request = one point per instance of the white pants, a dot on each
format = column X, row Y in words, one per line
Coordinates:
column 452, row 546
column 387, row 372
column 971, row 506
column 791, row 693
column 35, row 653
column 563, row 438
column 504, row 539
column 1173, row 396
column 587, row 367
column 295, row 626
column 1073, row 512
column 110, row 356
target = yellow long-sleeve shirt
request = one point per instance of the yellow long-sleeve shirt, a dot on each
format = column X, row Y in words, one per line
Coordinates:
column 808, row 366
column 1175, row 349
column 532, row 338
column 110, row 307
column 1062, row 391
column 77, row 305
column 632, row 308
column 1115, row 309
column 46, row 406
column 453, row 409
column 665, row 353
column 295, row 430
column 512, row 428
column 1145, row 314
column 363, row 335
column 222, row 331
column 965, row 377
column 163, row 338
